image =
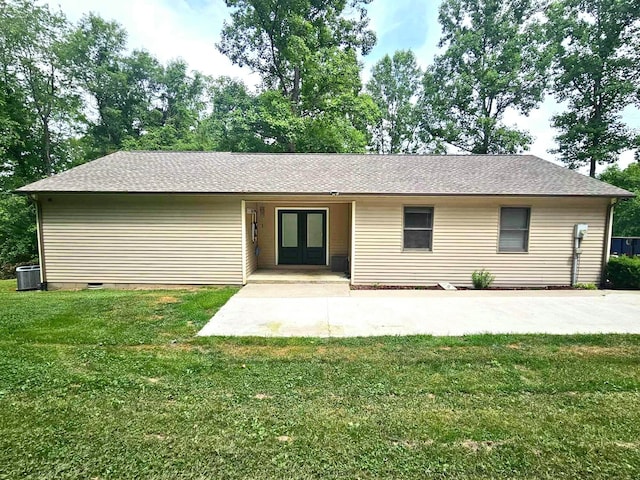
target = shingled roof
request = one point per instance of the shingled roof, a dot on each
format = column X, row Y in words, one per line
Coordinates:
column 218, row 172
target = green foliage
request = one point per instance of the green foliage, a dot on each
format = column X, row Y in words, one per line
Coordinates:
column 274, row 119
column 170, row 111
column 19, row 143
column 140, row 103
column 18, row 243
column 626, row 219
column 596, row 72
column 395, row 87
column 181, row 95
column 230, row 125
column 305, row 53
column 97, row 59
column 282, row 41
column 164, row 137
column 586, row 286
column 624, row 272
column 491, row 65
column 39, row 104
column 482, row 279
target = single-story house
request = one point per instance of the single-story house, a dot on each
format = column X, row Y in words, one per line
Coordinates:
column 200, row 218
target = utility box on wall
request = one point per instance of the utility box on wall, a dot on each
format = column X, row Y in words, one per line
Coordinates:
column 581, row 230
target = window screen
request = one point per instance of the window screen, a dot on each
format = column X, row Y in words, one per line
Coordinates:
column 514, row 229
column 418, row 227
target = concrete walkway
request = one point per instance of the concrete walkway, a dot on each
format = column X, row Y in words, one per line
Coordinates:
column 332, row 310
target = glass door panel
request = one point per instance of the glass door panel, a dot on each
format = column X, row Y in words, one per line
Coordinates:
column 289, row 230
column 315, row 230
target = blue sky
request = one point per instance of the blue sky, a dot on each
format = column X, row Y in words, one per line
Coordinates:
column 190, row 28
column 405, row 24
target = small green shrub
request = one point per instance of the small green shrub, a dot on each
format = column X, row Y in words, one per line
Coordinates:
column 586, row 286
column 624, row 272
column 482, row 279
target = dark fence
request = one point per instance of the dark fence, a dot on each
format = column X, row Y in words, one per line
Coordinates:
column 625, row 246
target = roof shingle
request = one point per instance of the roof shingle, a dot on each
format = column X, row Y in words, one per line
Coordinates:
column 218, row 172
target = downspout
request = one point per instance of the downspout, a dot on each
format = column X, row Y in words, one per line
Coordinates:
column 243, row 223
column 43, row 264
column 352, row 254
column 606, row 248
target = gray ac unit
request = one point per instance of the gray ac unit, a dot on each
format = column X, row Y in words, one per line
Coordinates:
column 28, row 277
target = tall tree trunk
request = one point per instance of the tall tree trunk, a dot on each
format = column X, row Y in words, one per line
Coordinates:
column 295, row 91
column 597, row 120
column 47, row 147
column 294, row 99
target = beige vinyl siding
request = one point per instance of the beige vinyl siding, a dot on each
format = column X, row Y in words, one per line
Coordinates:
column 465, row 238
column 142, row 239
column 250, row 246
column 339, row 230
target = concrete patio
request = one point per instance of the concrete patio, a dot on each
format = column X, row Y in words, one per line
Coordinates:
column 333, row 310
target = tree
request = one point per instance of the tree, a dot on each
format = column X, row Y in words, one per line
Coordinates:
column 19, row 139
column 18, row 239
column 38, row 109
column 120, row 86
column 33, row 55
column 305, row 52
column 95, row 56
column 596, row 71
column 139, row 103
column 171, row 105
column 228, row 126
column 395, row 87
column 626, row 219
column 491, row 64
column 181, row 96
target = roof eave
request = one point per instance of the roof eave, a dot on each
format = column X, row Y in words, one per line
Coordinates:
column 329, row 194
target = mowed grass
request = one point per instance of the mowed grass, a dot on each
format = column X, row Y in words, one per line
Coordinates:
column 113, row 384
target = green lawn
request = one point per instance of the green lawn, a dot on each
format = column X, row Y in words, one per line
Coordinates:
column 113, row 384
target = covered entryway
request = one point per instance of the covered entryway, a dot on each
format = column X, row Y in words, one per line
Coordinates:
column 297, row 240
column 302, row 237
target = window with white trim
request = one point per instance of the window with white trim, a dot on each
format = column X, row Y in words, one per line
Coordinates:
column 418, row 228
column 514, row 229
